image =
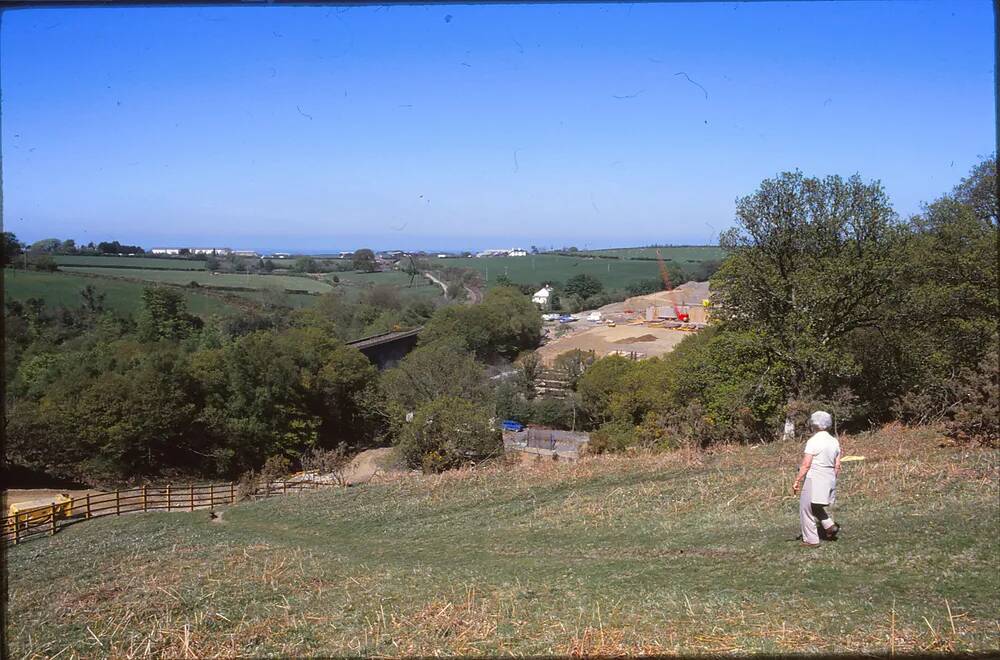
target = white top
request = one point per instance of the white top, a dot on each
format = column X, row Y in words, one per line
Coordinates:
column 822, row 478
column 824, row 448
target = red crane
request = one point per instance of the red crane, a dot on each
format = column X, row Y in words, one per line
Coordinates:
column 682, row 311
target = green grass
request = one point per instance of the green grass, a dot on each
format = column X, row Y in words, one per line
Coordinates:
column 670, row 553
column 162, row 263
column 122, row 296
column 352, row 284
column 613, row 274
column 682, row 255
column 205, row 278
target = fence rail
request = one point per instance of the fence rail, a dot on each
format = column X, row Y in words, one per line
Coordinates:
column 46, row 520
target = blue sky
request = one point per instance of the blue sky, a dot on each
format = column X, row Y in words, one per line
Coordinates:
column 447, row 127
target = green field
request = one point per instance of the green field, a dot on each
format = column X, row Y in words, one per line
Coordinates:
column 614, row 274
column 129, row 262
column 681, row 255
column 677, row 553
column 122, row 296
column 205, row 278
column 352, row 284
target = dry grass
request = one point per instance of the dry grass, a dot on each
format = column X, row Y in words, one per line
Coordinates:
column 673, row 553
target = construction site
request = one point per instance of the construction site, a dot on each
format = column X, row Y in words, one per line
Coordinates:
column 638, row 327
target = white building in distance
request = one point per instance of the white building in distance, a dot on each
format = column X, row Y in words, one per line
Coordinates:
column 513, row 252
column 542, row 296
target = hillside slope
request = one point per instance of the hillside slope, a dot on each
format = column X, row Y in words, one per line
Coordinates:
column 676, row 553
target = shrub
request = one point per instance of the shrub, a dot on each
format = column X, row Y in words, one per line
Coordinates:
column 554, row 413
column 611, row 438
column 975, row 417
column 247, row 486
column 447, row 433
column 45, row 263
column 276, row 468
column 332, row 462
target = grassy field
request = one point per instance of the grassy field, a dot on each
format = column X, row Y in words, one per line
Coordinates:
column 129, row 262
column 205, row 278
column 682, row 255
column 123, row 296
column 353, row 284
column 660, row 554
column 554, row 268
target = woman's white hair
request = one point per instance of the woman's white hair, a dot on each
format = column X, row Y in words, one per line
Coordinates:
column 821, row 420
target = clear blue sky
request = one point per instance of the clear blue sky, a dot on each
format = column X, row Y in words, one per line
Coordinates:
column 454, row 126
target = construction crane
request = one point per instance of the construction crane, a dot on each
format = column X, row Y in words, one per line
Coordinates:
column 664, row 275
column 682, row 311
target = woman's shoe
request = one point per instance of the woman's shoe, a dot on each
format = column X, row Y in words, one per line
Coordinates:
column 810, row 545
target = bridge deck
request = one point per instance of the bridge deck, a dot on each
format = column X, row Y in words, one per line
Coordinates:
column 384, row 338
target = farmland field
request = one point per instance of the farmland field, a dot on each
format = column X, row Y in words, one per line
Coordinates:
column 129, row 262
column 122, row 296
column 554, row 268
column 679, row 254
column 613, row 555
column 353, row 283
column 205, row 278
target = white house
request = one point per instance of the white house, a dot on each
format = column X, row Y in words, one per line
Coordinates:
column 165, row 251
column 541, row 297
column 517, row 252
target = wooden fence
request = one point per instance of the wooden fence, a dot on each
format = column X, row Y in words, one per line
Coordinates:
column 47, row 520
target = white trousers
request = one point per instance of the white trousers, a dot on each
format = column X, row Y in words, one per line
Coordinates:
column 806, row 518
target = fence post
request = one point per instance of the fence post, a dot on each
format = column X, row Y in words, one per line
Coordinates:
column 118, row 502
column 284, row 487
column 52, row 515
column 191, row 496
column 232, row 493
column 144, row 507
column 168, row 498
column 211, row 496
column 88, row 506
column 17, row 529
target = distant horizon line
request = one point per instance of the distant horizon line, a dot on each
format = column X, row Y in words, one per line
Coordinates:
column 330, row 251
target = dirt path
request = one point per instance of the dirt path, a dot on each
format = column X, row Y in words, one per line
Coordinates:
column 475, row 296
column 444, row 287
column 366, row 465
column 15, row 495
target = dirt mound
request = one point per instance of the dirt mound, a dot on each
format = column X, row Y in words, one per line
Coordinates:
column 633, row 340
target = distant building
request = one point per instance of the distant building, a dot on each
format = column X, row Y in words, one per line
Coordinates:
column 245, row 253
column 165, row 251
column 513, row 252
column 211, row 250
column 542, row 296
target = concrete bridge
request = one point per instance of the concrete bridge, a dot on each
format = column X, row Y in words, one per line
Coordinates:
column 387, row 349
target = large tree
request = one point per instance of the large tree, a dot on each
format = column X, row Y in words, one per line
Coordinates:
column 583, row 285
column 364, row 260
column 11, row 248
column 810, row 261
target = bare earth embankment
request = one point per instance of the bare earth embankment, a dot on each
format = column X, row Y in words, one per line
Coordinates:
column 665, row 553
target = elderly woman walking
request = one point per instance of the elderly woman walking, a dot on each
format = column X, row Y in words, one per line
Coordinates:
column 819, row 470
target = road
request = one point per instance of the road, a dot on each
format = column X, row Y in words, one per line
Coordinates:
column 474, row 295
